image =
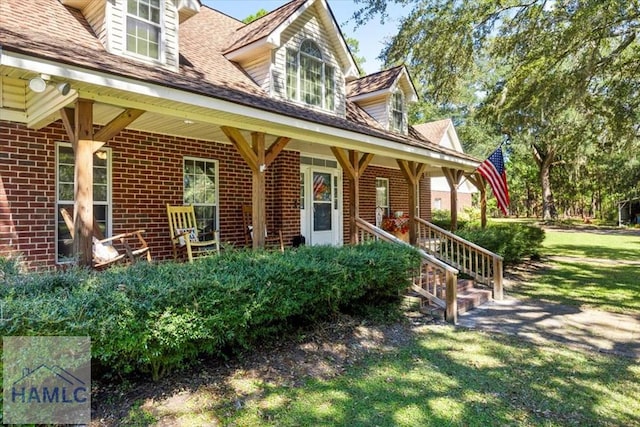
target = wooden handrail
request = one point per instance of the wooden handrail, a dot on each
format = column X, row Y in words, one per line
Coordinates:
column 436, row 280
column 483, row 265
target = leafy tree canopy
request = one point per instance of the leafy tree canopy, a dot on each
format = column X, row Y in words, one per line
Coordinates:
column 559, row 76
column 259, row 14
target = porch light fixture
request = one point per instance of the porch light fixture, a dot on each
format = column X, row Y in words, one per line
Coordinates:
column 63, row 88
column 38, row 84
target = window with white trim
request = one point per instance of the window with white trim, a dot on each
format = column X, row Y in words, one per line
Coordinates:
column 65, row 171
column 200, row 178
column 309, row 78
column 144, row 29
column 397, row 111
column 382, row 195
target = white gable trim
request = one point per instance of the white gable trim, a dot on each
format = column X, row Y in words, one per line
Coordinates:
column 368, row 95
column 453, row 137
column 274, row 40
column 349, row 70
column 412, row 96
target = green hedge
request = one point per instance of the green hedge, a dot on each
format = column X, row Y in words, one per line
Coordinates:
column 514, row 242
column 154, row 317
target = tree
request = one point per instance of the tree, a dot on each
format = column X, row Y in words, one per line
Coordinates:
column 259, row 14
column 554, row 75
column 354, row 47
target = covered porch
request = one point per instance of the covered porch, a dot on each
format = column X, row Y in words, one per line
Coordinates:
column 140, row 124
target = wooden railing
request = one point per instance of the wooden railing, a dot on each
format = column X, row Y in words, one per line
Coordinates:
column 435, row 281
column 482, row 265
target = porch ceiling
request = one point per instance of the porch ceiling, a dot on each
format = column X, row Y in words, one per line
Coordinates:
column 178, row 113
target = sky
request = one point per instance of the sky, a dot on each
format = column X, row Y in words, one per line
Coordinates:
column 371, row 37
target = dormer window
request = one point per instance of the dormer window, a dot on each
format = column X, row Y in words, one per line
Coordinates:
column 143, row 27
column 397, row 112
column 309, row 78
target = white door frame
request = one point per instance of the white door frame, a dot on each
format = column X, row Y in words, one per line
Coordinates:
column 306, row 208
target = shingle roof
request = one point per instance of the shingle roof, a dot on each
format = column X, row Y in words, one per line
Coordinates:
column 374, row 82
column 49, row 30
column 261, row 27
column 433, row 131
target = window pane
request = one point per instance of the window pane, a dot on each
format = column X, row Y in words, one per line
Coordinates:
column 65, row 192
column 321, row 186
column 65, row 173
column 310, row 48
column 311, row 80
column 292, row 74
column 189, row 167
column 302, row 194
column 100, row 158
column 65, row 156
column 153, row 50
column 132, row 7
column 321, row 216
column 382, row 193
column 100, row 193
column 329, row 88
column 144, row 12
column 200, row 186
column 99, row 175
column 206, row 218
column 397, row 111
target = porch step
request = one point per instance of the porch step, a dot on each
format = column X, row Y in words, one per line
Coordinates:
column 472, row 298
column 469, row 297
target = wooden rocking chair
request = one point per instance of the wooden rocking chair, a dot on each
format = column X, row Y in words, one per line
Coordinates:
column 247, row 213
column 183, row 230
column 104, row 253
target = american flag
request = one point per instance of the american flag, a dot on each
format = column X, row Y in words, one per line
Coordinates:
column 318, row 185
column 493, row 171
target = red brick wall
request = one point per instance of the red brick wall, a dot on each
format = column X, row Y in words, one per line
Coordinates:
column 27, row 198
column 146, row 174
column 398, row 195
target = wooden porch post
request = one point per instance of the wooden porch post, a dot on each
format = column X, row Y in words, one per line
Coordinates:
column 412, row 172
column 258, row 200
column 453, row 178
column 479, row 182
column 83, row 182
column 258, row 160
column 354, row 166
column 79, row 128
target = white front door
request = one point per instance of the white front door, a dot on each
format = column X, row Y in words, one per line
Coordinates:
column 320, row 210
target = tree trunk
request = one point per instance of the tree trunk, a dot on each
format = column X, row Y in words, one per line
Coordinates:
column 544, row 161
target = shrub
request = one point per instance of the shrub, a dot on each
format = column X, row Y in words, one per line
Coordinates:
column 514, row 242
column 154, row 317
column 442, row 218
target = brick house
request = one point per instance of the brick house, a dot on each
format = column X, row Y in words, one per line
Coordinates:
column 119, row 107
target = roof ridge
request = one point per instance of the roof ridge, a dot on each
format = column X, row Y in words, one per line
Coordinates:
column 244, row 35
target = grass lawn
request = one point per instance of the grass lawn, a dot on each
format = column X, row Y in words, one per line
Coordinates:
column 588, row 269
column 447, row 376
column 444, row 377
